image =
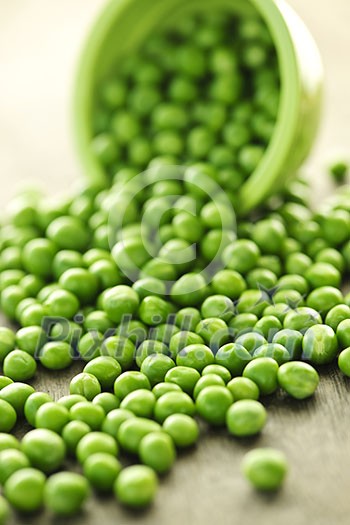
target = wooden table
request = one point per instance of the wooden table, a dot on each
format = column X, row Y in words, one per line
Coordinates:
column 39, row 42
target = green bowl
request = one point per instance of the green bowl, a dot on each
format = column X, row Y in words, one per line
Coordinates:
column 124, row 24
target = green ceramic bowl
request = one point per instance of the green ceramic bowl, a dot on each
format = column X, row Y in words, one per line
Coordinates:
column 124, row 24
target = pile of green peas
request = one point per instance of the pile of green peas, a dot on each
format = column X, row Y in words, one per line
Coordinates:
column 121, row 278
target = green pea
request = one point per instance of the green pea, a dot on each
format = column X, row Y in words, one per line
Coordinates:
column 188, row 290
column 4, row 381
column 196, row 356
column 343, row 334
column 212, row 404
column 65, row 493
column 291, row 340
column 121, row 349
column 323, row 299
column 25, row 490
column 72, row 433
column 183, row 430
column 323, row 274
column 81, row 283
column 51, row 416
column 320, row 344
column 90, row 413
column 136, row 486
column 265, row 468
column 71, row 400
column 101, row 470
column 98, row 321
column 61, row 303
column 37, row 257
column 229, row 283
column 268, row 235
column 251, row 341
column 184, row 377
column 171, row 403
column 299, row 380
column 241, row 256
column 157, row 451
column 182, row 339
column 275, row 350
column 68, row 233
column 140, row 402
column 234, row 357
column 217, row 370
column 44, row 448
column 107, row 401
column 10, row 299
column 16, row 394
column 85, row 385
column 187, row 319
column 246, row 417
column 8, row 441
column 219, row 306
column 4, row 511
column 30, row 339
column 243, row 323
column 205, row 381
column 298, row 263
column 243, row 388
column 344, row 361
column 130, row 381
column 8, row 416
column 253, row 301
column 95, row 442
column 120, row 301
column 114, row 419
column 155, row 367
column 150, row 347
column 7, row 342
column 301, row 319
column 336, row 315
column 263, row 372
column 12, row 460
column 214, row 332
column 278, row 310
column 32, row 405
column 133, row 430
column 106, row 370
column 65, row 260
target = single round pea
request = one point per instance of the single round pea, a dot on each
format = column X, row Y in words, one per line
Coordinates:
column 196, row 356
column 301, row 319
column 215, row 332
column 217, row 370
column 81, row 283
column 246, row 417
column 25, row 489
column 11, row 297
column 37, row 257
column 291, row 340
column 241, row 256
column 173, row 403
column 45, row 449
column 120, row 301
column 132, row 431
column 136, row 486
column 70, row 400
column 101, row 470
column 72, row 433
column 251, row 341
column 323, row 274
column 320, row 344
column 188, row 318
column 205, row 381
column 30, row 339
column 344, row 361
column 121, row 349
column 183, row 430
column 212, row 404
column 336, row 315
column 219, row 306
column 141, row 402
column 65, row 493
column 90, row 413
column 61, row 303
column 4, row 381
column 278, row 352
column 265, row 468
column 52, row 416
column 299, row 380
column 56, row 355
column 184, row 377
column 8, row 416
column 234, row 357
column 323, row 299
column 85, row 385
column 32, row 405
column 268, row 326
column 65, row 260
column 243, row 388
column 114, row 419
column 157, row 451
column 130, row 381
column 106, row 370
column 229, row 283
column 19, row 366
column 182, row 339
column 68, row 233
column 243, row 323
column 4, row 511
column 7, row 342
column 107, row 401
column 11, row 460
column 343, row 334
column 163, row 388
column 155, row 367
column 149, row 347
column 8, row 441
column 95, row 442
column 16, row 394
column 263, row 372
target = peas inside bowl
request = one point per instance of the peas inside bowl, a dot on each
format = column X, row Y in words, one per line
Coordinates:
column 232, row 83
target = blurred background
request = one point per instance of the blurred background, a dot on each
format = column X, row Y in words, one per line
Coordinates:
column 40, row 41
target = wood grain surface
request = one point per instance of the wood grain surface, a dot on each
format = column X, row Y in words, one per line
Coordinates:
column 39, row 45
